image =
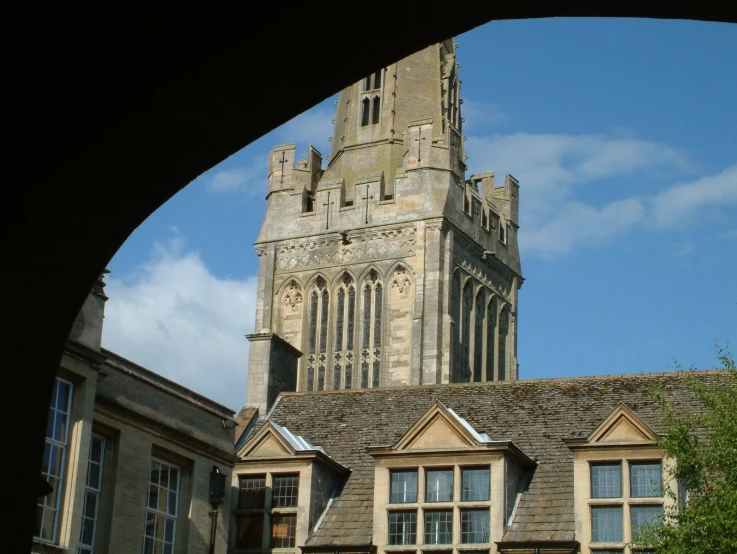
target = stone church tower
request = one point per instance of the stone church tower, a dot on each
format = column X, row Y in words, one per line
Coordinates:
column 388, row 267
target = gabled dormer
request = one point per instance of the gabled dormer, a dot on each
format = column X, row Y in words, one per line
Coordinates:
column 620, row 477
column 282, row 486
column 445, row 484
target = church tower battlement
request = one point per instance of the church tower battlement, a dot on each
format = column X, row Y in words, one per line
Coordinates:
column 388, row 267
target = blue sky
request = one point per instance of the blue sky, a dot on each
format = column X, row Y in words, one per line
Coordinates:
column 623, row 134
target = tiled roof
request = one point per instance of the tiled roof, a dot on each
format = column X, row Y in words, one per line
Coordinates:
column 536, row 414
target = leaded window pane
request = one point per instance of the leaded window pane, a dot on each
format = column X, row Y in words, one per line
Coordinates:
column 351, row 317
column 336, row 376
column 376, row 113
column 439, row 485
column 376, row 373
column 366, row 317
column 339, row 323
column 644, row 515
column 283, row 530
column 252, row 491
column 53, row 463
column 321, row 378
column 439, row 527
column 503, row 330
column 377, row 79
column 364, row 375
column 606, row 480
column 348, row 375
column 475, row 484
column 490, row 341
column 286, row 488
column 324, row 323
column 606, row 524
column 377, row 315
column 403, row 487
column 474, row 526
column 645, row 480
column 250, row 531
column 312, row 342
column 402, row 528
column 365, row 112
column 467, row 303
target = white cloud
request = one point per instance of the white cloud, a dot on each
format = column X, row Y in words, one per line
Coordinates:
column 176, row 318
column 554, row 168
column 683, row 249
column 479, row 113
column 250, row 178
column 685, row 203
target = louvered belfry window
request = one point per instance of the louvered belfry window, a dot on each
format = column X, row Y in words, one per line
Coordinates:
column 371, row 335
column 345, row 313
column 317, row 336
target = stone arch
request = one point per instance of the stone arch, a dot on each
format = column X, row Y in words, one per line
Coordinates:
column 479, row 325
column 290, row 312
column 503, row 347
column 401, row 277
column 466, row 331
column 456, row 287
column 491, row 336
column 372, row 299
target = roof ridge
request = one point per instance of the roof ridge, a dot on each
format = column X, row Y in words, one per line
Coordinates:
column 574, row 378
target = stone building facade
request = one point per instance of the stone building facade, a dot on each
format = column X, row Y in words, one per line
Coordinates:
column 128, row 455
column 389, row 267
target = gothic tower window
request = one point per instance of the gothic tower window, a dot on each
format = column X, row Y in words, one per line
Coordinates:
column 490, row 339
column 371, row 339
column 371, row 100
column 478, row 340
column 318, row 335
column 455, row 313
column 503, row 332
column 366, row 112
column 466, row 331
column 345, row 314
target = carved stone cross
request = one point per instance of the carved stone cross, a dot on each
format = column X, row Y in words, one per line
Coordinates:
column 282, row 162
column 367, row 198
column 419, row 146
column 327, row 213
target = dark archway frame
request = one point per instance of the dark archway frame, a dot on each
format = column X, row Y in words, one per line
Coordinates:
column 109, row 114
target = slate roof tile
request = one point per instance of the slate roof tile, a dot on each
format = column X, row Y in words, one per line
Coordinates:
column 535, row 414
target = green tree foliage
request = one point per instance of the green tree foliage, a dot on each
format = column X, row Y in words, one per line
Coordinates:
column 705, row 447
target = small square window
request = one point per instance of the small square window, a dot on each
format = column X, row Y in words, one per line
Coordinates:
column 474, row 526
column 439, row 527
column 439, row 485
column 403, row 487
column 250, row 531
column 402, row 528
column 644, row 515
column 606, row 480
column 252, row 491
column 285, row 489
column 606, row 524
column 475, row 484
column 283, row 530
column 645, row 480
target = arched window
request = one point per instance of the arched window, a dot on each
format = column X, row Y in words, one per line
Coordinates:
column 503, row 332
column 490, row 340
column 466, row 331
column 478, row 338
column 345, row 314
column 371, row 338
column 366, row 112
column 455, row 313
column 377, row 80
column 376, row 113
column 317, row 335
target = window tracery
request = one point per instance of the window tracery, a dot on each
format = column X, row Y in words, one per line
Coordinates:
column 372, row 340
column 317, row 336
column 466, row 332
column 344, row 318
